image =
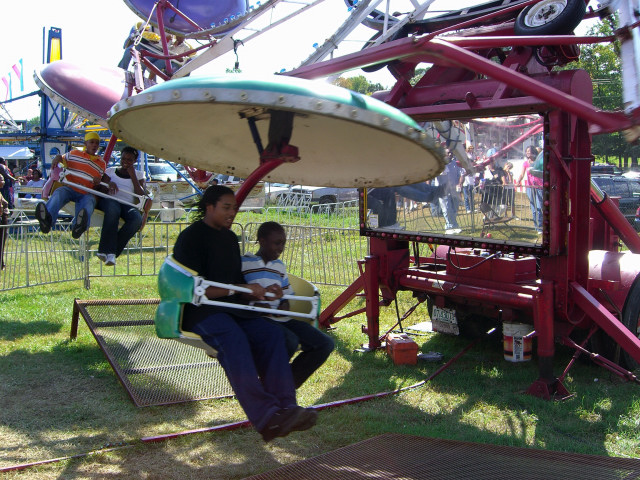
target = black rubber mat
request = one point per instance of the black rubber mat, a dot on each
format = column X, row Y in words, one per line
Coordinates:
column 406, row 457
column 154, row 371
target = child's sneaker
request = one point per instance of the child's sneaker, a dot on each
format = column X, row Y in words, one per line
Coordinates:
column 110, row 260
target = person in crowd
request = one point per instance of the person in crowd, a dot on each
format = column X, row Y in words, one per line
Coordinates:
column 449, row 198
column 27, row 178
column 9, row 180
column 509, row 188
column 492, row 150
column 493, row 185
column 469, row 181
column 125, row 181
column 4, row 220
column 533, row 187
column 251, row 350
column 265, row 268
column 36, row 182
column 84, row 168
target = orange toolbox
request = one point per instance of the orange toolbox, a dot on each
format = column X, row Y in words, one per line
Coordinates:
column 402, row 349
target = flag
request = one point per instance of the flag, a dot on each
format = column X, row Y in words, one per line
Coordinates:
column 19, row 74
column 6, row 84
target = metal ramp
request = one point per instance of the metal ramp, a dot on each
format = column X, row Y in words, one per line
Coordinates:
column 153, row 371
column 406, row 457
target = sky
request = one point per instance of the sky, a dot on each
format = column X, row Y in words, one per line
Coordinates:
column 94, row 31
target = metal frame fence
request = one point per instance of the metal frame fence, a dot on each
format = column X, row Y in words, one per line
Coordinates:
column 322, row 255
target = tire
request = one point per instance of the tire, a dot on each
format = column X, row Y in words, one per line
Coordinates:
column 550, row 17
column 631, row 320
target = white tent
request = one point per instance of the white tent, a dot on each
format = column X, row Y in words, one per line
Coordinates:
column 15, row 152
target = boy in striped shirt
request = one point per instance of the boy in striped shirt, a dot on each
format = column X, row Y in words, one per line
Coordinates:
column 84, row 168
column 265, row 268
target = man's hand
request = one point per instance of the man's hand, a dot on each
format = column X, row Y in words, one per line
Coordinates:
column 257, row 291
column 276, row 290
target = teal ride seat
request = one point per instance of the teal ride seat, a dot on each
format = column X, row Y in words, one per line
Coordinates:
column 177, row 286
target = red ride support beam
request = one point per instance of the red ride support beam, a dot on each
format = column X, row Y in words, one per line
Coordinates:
column 441, row 52
column 605, row 320
column 342, row 301
column 109, row 150
column 371, row 289
column 160, row 7
column 257, row 175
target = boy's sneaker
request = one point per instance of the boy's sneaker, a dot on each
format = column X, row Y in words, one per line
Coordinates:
column 44, row 218
column 102, row 257
column 287, row 420
column 110, row 260
column 81, row 224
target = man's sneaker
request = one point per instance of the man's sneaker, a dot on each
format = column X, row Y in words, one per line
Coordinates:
column 102, row 257
column 306, row 420
column 110, row 260
column 44, row 218
column 281, row 423
column 81, row 224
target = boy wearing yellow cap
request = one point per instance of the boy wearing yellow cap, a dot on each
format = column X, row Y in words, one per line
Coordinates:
column 83, row 168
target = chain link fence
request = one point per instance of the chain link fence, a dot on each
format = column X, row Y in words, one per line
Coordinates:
column 322, row 255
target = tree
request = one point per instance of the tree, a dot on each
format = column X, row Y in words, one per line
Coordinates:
column 602, row 62
column 359, row 84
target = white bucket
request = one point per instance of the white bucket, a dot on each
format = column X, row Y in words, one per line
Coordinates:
column 517, row 348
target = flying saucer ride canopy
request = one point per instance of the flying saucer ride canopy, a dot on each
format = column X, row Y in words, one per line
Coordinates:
column 345, row 139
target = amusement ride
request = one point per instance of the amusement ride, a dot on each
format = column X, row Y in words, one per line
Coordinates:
column 497, row 62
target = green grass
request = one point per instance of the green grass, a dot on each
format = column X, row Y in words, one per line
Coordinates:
column 60, row 398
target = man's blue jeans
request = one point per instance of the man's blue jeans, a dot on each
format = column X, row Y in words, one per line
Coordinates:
column 64, row 195
column 113, row 240
column 535, row 201
column 253, row 355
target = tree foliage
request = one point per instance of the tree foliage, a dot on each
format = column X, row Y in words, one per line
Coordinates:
column 602, row 62
column 358, row 84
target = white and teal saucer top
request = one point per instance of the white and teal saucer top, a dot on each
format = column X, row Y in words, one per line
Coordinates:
column 345, row 139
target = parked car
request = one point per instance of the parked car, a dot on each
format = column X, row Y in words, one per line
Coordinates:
column 605, row 169
column 627, row 189
column 163, row 172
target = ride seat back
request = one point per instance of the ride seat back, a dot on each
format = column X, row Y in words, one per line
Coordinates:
column 175, row 288
column 304, row 288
